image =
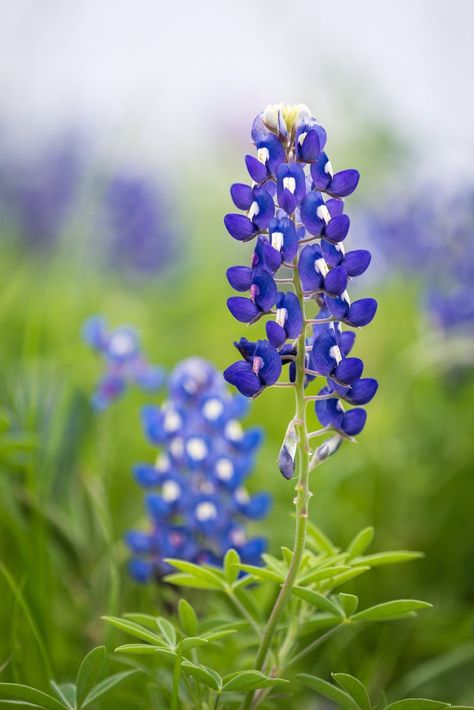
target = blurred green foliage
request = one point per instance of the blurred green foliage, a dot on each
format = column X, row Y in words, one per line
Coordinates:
column 67, row 494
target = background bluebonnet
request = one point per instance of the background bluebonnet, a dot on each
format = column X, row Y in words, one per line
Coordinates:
column 125, row 363
column 295, row 210
column 195, row 492
column 429, row 236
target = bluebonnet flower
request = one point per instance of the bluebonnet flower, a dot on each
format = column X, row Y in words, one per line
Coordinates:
column 40, row 189
column 196, row 495
column 294, row 208
column 124, row 361
column 428, row 236
column 136, row 222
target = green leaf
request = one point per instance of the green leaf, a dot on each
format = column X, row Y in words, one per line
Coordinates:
column 329, row 691
column 187, row 617
column 274, row 563
column 17, row 691
column 287, row 555
column 142, row 649
column 105, row 685
column 130, row 627
column 205, row 676
column 193, row 642
column 89, row 672
column 354, row 687
column 318, row 600
column 146, row 620
column 322, row 543
column 390, row 610
column 361, row 542
column 348, row 576
column 66, row 692
column 231, row 566
column 417, row 704
column 349, row 603
column 168, row 631
column 324, row 573
column 262, row 573
column 187, row 580
column 250, row 680
column 217, row 635
column 319, row 622
column 201, row 572
column 388, row 558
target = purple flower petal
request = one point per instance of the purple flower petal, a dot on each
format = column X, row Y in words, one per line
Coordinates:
column 257, row 170
column 239, row 277
column 240, row 375
column 344, row 183
column 239, row 226
column 362, row 312
column 323, row 354
column 335, row 282
column 349, row 370
column 311, row 277
column 356, row 262
column 242, row 195
column 354, row 421
column 337, row 229
column 362, row 391
column 243, row 309
column 275, row 333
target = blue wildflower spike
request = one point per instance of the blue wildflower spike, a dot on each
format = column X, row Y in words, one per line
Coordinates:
column 302, row 244
column 124, row 361
column 196, row 496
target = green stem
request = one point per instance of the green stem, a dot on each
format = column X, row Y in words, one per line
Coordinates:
column 176, row 676
column 303, row 495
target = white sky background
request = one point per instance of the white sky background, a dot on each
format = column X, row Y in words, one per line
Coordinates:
column 161, row 79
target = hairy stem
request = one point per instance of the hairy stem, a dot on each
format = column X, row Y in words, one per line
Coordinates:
column 303, row 495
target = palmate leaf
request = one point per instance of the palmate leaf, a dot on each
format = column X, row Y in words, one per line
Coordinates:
column 167, row 631
column 231, row 566
column 204, row 573
column 361, row 542
column 343, row 699
column 89, row 672
column 318, row 600
column 66, row 692
column 391, row 610
column 250, row 680
column 320, row 541
column 319, row 574
column 387, row 558
column 349, row 603
column 105, row 685
column 187, row 617
column 31, row 696
column 202, row 674
column 262, row 573
column 355, row 688
column 188, row 580
column 130, row 627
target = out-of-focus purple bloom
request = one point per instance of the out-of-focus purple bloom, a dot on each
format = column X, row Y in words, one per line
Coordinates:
column 295, row 210
column 196, row 496
column 39, row 190
column 430, row 237
column 137, row 226
column 125, row 363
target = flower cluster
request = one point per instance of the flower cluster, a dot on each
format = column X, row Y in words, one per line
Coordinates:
column 430, row 237
column 294, row 209
column 124, row 361
column 196, row 495
column 136, row 224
